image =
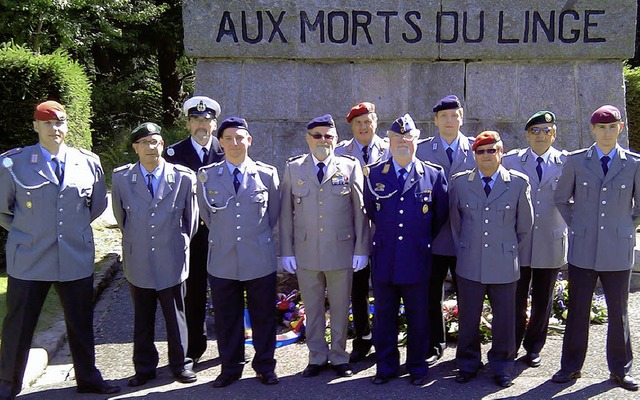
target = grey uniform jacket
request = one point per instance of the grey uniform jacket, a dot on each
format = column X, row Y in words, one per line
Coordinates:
column 546, row 245
column 601, row 212
column 431, row 150
column 50, row 237
column 379, row 150
column 487, row 230
column 323, row 225
column 241, row 244
column 156, row 231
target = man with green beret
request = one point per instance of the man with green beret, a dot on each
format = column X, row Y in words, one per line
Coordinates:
column 544, row 249
column 154, row 203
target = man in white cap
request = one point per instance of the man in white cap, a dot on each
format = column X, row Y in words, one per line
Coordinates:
column 200, row 149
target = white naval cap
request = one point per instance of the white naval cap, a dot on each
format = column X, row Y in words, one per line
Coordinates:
column 201, row 106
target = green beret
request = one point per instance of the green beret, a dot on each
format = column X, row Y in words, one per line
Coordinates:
column 541, row 117
column 144, row 130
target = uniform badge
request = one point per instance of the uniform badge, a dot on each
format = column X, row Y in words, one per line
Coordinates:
column 7, row 163
column 134, row 178
column 29, row 204
column 379, row 187
column 212, row 192
column 378, row 206
column 151, row 128
column 339, row 180
column 220, row 170
column 300, row 182
column 171, row 152
column 548, row 117
column 202, row 176
column 34, row 158
column 425, row 208
column 171, row 178
column 201, row 107
column 386, row 168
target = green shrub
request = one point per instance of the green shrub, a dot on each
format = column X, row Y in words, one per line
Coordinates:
column 26, row 79
column 632, row 83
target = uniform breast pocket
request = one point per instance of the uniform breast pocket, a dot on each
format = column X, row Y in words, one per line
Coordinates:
column 300, row 195
column 506, row 212
column 423, row 201
column 29, row 200
column 260, row 200
column 341, row 190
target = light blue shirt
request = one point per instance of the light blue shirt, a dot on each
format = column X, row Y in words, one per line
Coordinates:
column 491, row 182
column 242, row 168
column 453, row 145
column 408, row 168
column 61, row 156
column 611, row 154
column 156, row 173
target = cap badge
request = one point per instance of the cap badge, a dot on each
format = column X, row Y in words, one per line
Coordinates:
column 616, row 114
column 201, row 107
column 151, row 128
column 547, row 117
column 369, row 107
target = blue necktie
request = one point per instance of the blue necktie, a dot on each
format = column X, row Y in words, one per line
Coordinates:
column 450, row 155
column 539, row 168
column 150, row 183
column 205, row 155
column 236, row 182
column 401, row 177
column 605, row 164
column 487, row 188
column 320, row 172
column 58, row 170
column 365, row 154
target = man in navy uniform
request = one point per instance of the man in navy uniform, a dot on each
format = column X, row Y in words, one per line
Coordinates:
column 598, row 196
column 544, row 249
column 154, row 203
column 450, row 149
column 368, row 148
column 199, row 149
column 324, row 239
column 49, row 194
column 407, row 200
column 491, row 212
column 240, row 200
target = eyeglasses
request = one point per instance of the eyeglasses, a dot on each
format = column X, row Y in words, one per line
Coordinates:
column 152, row 144
column 488, row 151
column 398, row 137
column 318, row 136
column 537, row 131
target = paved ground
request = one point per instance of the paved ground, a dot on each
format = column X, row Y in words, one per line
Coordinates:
column 113, row 326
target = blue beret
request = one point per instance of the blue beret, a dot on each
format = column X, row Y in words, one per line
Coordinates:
column 448, row 103
column 541, row 117
column 325, row 120
column 403, row 125
column 143, row 130
column 232, row 122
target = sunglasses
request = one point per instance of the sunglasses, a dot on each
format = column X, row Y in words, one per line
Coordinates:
column 149, row 143
column 488, row 151
column 537, row 131
column 318, row 136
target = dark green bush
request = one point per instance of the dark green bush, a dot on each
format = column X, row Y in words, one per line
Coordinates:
column 632, row 83
column 26, row 79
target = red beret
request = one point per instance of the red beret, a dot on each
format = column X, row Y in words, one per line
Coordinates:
column 486, row 137
column 606, row 115
column 361, row 109
column 49, row 110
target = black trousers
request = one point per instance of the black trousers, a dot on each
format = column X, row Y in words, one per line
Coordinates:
column 615, row 284
column 503, row 346
column 540, row 281
column 24, row 304
column 360, row 305
column 195, row 301
column 228, row 305
column 437, row 331
column 145, row 354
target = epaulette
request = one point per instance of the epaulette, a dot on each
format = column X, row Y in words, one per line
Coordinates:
column 519, row 174
column 578, row 151
column 11, row 152
column 342, row 143
column 215, row 164
column 265, row 165
column 182, row 168
column 461, row 173
column 511, row 152
column 294, row 158
column 632, row 153
column 471, row 139
column 88, row 153
column 433, row 165
column 352, row 158
column 121, row 168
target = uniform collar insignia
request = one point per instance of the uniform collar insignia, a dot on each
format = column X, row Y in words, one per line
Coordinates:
column 34, row 158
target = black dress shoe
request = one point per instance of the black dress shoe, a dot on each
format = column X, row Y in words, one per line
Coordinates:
column 360, row 351
column 626, row 382
column 343, row 370
column 419, row 380
column 380, row 379
column 503, row 380
column 224, row 380
column 186, row 376
column 140, row 379
column 533, row 360
column 312, row 370
column 102, row 388
column 564, row 376
column 268, row 378
column 464, row 376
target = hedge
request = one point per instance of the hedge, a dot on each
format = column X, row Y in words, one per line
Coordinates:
column 632, row 83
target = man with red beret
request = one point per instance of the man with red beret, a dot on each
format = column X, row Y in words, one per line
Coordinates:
column 450, row 149
column 368, row 148
column 600, row 186
column 491, row 213
column 49, row 194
